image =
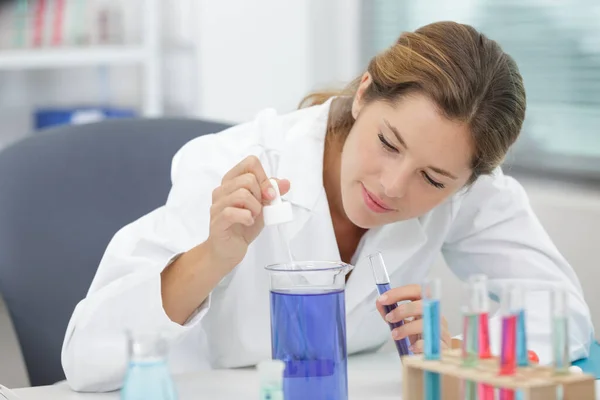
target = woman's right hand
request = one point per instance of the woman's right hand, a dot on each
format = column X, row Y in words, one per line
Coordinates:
column 236, row 212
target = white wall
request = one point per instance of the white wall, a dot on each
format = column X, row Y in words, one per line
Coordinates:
column 251, row 55
column 271, row 53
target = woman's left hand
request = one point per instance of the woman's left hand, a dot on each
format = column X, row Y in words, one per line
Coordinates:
column 412, row 314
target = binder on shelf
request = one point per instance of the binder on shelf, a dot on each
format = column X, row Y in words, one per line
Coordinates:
column 50, row 117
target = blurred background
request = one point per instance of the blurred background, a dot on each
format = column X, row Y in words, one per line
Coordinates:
column 225, row 60
column 79, row 61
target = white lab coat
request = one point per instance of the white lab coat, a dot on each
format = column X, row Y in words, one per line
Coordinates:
column 488, row 229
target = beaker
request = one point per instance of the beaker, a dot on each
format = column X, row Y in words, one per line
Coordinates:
column 148, row 376
column 308, row 328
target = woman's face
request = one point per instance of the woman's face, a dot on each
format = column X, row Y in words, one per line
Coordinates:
column 400, row 161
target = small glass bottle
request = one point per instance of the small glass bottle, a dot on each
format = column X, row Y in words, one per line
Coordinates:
column 148, row 376
column 271, row 379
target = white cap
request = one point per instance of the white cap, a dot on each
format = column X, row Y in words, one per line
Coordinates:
column 277, row 211
column 575, row 369
column 271, row 372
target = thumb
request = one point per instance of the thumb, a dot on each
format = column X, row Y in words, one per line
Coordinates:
column 268, row 192
column 284, row 186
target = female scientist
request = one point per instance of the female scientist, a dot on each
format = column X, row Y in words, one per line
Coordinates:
column 405, row 161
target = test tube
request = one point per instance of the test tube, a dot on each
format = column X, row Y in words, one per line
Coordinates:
column 519, row 304
column 470, row 345
column 431, row 296
column 476, row 337
column 510, row 305
column 382, row 281
column 480, row 305
column 560, row 330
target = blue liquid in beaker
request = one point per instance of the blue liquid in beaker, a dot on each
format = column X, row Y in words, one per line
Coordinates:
column 309, row 334
column 148, row 381
column 402, row 344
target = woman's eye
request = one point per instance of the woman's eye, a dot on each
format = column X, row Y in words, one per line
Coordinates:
column 432, row 182
column 387, row 145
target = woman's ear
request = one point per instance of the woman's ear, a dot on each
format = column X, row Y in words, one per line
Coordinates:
column 357, row 103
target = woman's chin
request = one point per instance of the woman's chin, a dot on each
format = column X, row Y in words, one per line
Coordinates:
column 363, row 218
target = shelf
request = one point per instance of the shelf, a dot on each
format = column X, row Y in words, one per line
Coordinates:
column 70, row 57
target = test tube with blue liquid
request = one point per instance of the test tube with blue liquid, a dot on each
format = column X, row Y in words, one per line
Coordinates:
column 431, row 296
column 522, row 354
column 382, row 280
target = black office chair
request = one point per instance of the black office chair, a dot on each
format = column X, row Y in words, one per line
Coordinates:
column 63, row 194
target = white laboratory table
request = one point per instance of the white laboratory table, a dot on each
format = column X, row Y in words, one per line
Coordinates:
column 375, row 376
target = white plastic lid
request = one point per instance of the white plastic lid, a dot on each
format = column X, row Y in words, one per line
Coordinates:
column 277, row 211
column 575, row 369
column 271, row 372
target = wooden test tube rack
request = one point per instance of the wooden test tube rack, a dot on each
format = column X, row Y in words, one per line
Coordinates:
column 536, row 382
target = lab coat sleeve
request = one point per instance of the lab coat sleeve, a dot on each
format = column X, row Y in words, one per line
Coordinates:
column 126, row 291
column 495, row 232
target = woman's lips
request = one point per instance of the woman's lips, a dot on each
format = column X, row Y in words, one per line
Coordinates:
column 374, row 203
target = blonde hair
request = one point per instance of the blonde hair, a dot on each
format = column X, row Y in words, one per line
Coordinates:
column 469, row 77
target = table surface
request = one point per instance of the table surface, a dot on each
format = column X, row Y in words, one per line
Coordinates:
column 375, row 376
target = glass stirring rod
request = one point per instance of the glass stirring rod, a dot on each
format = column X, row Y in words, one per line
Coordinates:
column 382, row 280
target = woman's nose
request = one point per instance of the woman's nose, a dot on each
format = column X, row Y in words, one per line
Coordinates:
column 395, row 182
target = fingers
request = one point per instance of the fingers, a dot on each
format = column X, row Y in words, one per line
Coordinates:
column 380, row 309
column 251, row 165
column 446, row 337
column 409, row 328
column 402, row 293
column 247, row 181
column 456, row 343
column 241, row 198
column 403, row 311
column 414, row 330
column 284, row 186
column 230, row 216
column 419, row 346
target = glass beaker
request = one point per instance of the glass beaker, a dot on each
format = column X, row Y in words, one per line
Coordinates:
column 148, row 376
column 308, row 328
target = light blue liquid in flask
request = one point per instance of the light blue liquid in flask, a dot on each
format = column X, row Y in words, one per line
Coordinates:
column 308, row 328
column 148, row 376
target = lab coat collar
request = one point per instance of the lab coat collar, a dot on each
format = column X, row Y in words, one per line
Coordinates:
column 302, row 157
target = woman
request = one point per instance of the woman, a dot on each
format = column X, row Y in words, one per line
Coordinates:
column 405, row 161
